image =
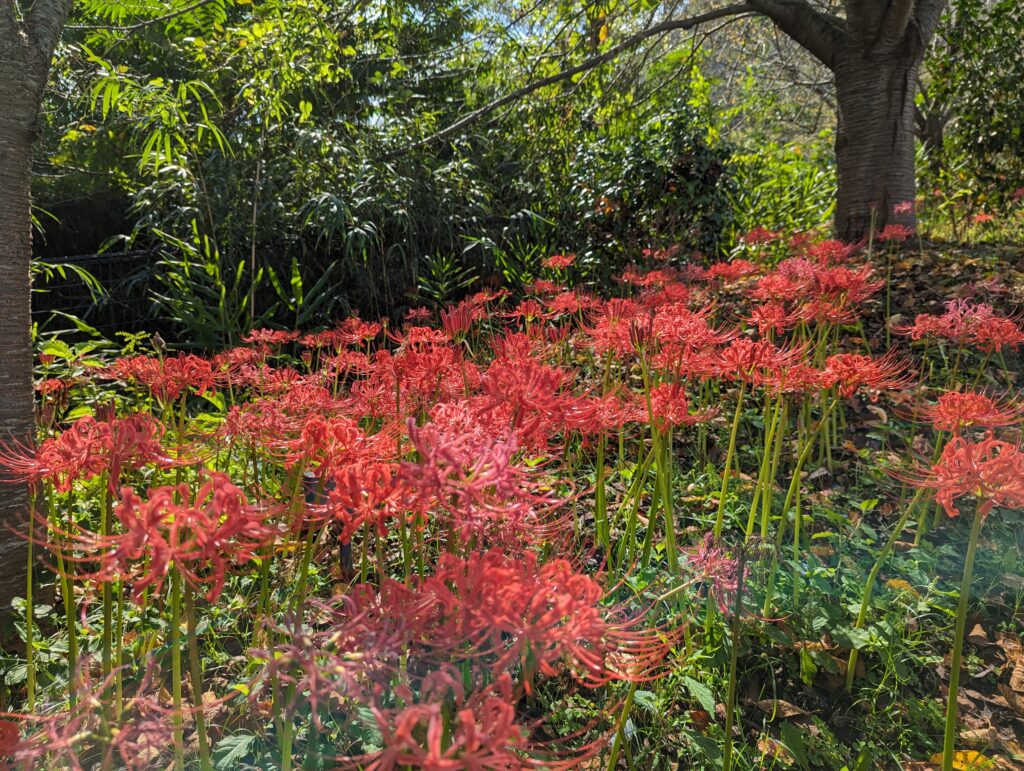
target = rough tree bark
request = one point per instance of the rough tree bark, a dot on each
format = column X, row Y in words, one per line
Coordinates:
column 874, row 52
column 27, row 41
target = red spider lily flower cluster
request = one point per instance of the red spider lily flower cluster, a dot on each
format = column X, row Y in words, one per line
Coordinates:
column 505, row 619
column 969, row 324
column 57, row 738
column 199, row 535
column 989, row 470
column 850, row 372
column 955, row 411
column 90, row 448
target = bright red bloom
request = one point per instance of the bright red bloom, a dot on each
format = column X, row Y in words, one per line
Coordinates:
column 990, row 470
column 965, row 323
column 167, row 377
column 771, row 318
column 560, row 261
column 849, row 372
column 270, row 337
column 895, row 233
column 670, row 407
column 88, row 448
column 955, row 411
column 200, row 535
column 761, row 235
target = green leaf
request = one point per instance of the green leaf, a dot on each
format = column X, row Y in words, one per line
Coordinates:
column 229, row 752
column 701, row 693
column 793, row 740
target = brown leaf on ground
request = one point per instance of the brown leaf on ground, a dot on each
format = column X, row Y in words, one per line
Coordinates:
column 779, row 708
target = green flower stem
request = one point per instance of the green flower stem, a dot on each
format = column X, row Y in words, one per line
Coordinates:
column 620, row 732
column 196, row 676
column 30, row 659
column 762, row 474
column 68, row 596
column 949, row 736
column 175, row 643
column 734, row 646
column 720, row 516
column 869, row 585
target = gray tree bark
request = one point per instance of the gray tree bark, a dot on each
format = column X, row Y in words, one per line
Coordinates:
column 875, row 53
column 26, row 48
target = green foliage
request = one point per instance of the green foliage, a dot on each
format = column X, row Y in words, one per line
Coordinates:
column 788, row 188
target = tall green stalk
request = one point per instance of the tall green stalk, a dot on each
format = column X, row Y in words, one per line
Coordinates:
column 869, row 585
column 949, row 735
column 196, row 676
column 175, row 644
column 720, row 516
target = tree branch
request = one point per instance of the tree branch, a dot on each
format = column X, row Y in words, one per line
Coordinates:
column 589, row 64
column 893, row 25
column 147, row 22
column 819, row 33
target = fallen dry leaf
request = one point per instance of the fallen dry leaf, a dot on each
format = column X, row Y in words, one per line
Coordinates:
column 779, row 708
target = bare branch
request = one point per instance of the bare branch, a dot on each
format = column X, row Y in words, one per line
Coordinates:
column 819, row 33
column 589, row 64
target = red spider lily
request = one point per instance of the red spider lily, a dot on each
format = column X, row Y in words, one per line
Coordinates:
column 418, row 315
column 830, row 252
column 473, row 479
column 728, row 272
column 542, row 286
column 827, row 311
column 611, row 330
column 559, row 261
column 670, row 407
column 274, row 337
column 459, row 319
column 718, row 571
column 895, row 233
column 761, row 235
column 57, row 738
column 849, row 372
column 324, row 444
column 359, row 332
column 527, row 389
column 903, row 207
column 777, row 286
column 89, row 448
column 571, row 302
column 200, row 535
column 796, row 378
column 528, row 311
column 852, row 284
column 955, row 411
column 482, row 734
column 661, row 255
column 167, row 377
column 539, row 614
column 755, row 361
column 418, row 338
column 990, row 470
column 965, row 323
column 771, row 318
column 365, row 492
column 671, row 292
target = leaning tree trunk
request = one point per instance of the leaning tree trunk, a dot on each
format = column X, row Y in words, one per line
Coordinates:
column 875, row 140
column 16, row 401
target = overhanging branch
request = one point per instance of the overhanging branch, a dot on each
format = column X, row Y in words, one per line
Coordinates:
column 594, row 61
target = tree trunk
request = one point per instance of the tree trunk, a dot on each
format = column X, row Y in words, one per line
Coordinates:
column 17, row 120
column 875, row 139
